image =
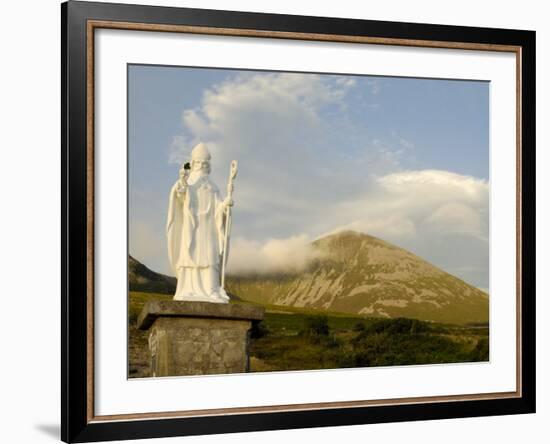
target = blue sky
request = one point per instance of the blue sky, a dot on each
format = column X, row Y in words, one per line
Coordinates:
column 406, row 160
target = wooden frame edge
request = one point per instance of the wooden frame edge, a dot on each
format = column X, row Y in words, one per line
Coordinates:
column 236, row 32
column 302, row 407
column 90, row 183
column 73, row 425
column 204, row 30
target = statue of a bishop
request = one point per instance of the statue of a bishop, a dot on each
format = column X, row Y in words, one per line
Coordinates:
column 196, row 231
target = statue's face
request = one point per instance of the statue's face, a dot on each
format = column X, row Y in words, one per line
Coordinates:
column 201, row 165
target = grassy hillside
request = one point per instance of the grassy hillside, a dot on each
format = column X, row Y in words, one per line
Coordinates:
column 291, row 338
column 304, row 341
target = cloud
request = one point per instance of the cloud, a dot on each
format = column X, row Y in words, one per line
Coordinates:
column 296, row 145
column 251, row 112
column 180, row 150
column 293, row 255
column 399, row 205
column 456, row 218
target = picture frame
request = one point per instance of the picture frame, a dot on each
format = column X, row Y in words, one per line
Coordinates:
column 80, row 21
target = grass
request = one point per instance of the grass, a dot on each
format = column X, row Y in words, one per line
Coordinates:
column 291, row 338
column 301, row 341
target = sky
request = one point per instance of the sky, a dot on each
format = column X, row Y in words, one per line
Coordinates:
column 402, row 159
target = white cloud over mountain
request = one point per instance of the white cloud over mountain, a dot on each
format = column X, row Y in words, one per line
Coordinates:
column 272, row 255
column 430, row 212
column 404, row 204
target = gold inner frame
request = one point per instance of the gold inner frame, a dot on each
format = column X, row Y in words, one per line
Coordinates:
column 96, row 24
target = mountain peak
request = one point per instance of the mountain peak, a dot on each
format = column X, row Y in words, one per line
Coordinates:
column 359, row 273
column 348, row 246
column 349, row 238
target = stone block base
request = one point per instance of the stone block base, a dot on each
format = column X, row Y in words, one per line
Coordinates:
column 198, row 338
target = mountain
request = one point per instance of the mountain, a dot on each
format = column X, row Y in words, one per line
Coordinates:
column 355, row 273
column 141, row 278
column 361, row 274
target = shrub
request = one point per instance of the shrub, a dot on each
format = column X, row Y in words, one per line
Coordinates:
column 359, row 326
column 402, row 326
column 481, row 351
column 316, row 328
column 332, row 341
column 259, row 330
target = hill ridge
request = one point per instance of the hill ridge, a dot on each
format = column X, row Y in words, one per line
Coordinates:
column 354, row 273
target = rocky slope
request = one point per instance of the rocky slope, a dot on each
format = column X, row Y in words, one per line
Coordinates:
column 365, row 275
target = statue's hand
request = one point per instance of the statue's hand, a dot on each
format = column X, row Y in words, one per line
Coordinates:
column 228, row 202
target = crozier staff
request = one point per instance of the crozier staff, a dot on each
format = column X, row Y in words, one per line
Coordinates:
column 232, row 175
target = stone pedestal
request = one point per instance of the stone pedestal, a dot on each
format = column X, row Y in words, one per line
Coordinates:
column 198, row 338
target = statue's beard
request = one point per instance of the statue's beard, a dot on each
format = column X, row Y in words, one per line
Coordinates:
column 198, row 173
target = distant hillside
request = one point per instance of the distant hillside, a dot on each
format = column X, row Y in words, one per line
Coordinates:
column 141, row 278
column 364, row 275
column 358, row 274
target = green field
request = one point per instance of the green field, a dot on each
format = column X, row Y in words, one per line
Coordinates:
column 296, row 339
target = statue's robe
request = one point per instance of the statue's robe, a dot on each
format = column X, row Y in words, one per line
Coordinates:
column 195, row 234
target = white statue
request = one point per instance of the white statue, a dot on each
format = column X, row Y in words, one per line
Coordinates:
column 198, row 231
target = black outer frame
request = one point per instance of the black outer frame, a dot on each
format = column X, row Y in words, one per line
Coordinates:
column 74, row 423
